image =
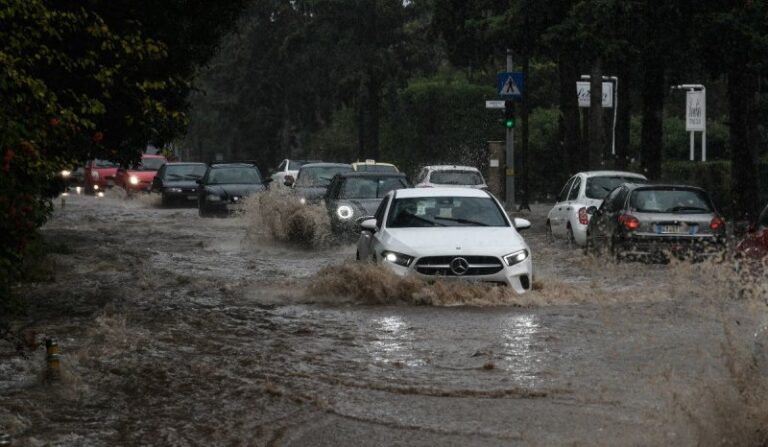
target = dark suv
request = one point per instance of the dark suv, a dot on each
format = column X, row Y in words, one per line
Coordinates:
column 224, row 186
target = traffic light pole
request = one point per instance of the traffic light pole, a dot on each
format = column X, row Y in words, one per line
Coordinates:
column 509, row 192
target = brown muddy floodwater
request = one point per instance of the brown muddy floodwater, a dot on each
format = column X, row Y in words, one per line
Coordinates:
column 257, row 330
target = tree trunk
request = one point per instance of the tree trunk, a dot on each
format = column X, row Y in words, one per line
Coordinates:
column 596, row 128
column 624, row 118
column 569, row 110
column 744, row 178
column 653, row 108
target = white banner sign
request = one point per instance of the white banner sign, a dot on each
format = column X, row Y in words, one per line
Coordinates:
column 696, row 111
column 583, row 89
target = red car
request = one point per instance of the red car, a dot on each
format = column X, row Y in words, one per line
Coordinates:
column 755, row 243
column 140, row 176
column 99, row 175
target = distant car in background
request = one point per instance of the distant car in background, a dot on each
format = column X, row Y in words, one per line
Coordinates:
column 224, row 186
column 373, row 166
column 139, row 177
column 313, row 179
column 286, row 172
column 450, row 176
column 653, row 222
column 177, row 182
column 352, row 195
column 755, row 243
column 99, row 175
column 568, row 218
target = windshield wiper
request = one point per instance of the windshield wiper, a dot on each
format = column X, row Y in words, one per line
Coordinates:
column 675, row 209
column 411, row 215
column 463, row 221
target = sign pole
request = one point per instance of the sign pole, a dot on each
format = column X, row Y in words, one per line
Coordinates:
column 509, row 194
column 704, row 132
column 692, row 144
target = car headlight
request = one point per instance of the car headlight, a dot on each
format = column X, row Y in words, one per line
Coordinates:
column 212, row 198
column 173, row 190
column 95, row 187
column 65, row 173
column 303, row 201
column 344, row 212
column 134, row 180
column 516, row 257
column 397, row 258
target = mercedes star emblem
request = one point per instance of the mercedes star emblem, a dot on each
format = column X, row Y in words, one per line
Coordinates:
column 459, row 266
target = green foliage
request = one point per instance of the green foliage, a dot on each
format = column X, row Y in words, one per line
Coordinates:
column 714, row 176
column 547, row 171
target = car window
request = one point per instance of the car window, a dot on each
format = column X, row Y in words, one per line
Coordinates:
column 370, row 188
column 678, row 201
column 575, row 189
column 182, row 172
column 234, row 175
column 379, row 216
column 763, row 221
column 104, row 164
column 422, row 175
column 150, row 164
column 375, row 168
column 282, row 166
column 445, row 212
column 456, row 177
column 319, row 176
column 564, row 192
column 599, row 187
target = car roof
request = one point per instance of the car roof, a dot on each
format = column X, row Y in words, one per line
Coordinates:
column 408, row 193
column 611, row 174
column 152, row 156
column 451, row 167
column 178, row 163
column 232, row 165
column 634, row 186
column 326, row 165
column 365, row 174
column 372, row 162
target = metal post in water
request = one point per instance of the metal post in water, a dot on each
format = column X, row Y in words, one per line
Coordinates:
column 53, row 360
column 509, row 195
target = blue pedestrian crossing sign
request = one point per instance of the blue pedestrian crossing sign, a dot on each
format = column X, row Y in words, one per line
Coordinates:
column 510, row 85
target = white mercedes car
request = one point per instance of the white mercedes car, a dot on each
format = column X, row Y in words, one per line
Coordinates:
column 450, row 233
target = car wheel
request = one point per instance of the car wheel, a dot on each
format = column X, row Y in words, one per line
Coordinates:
column 357, row 255
column 615, row 251
column 571, row 240
column 548, row 235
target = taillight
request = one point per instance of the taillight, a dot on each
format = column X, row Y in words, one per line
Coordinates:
column 630, row 222
column 717, row 224
column 583, row 216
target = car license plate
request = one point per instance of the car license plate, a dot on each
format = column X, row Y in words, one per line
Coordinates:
column 669, row 229
column 192, row 197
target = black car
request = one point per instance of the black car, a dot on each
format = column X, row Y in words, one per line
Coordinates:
column 654, row 222
column 177, row 182
column 313, row 179
column 224, row 186
column 352, row 195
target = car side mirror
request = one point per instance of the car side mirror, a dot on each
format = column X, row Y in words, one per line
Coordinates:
column 368, row 224
column 522, row 224
column 592, row 210
column 199, row 181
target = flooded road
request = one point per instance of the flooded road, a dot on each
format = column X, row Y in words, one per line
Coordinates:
column 177, row 330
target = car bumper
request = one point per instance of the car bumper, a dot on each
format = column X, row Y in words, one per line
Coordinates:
column 223, row 208
column 519, row 276
column 663, row 247
column 188, row 197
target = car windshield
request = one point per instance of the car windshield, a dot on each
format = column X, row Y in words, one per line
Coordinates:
column 763, row 222
column 184, row 172
column 456, row 178
column 599, row 187
column 104, row 164
column 235, row 175
column 150, row 164
column 370, row 188
column 319, row 176
column 685, row 201
column 445, row 212
column 375, row 168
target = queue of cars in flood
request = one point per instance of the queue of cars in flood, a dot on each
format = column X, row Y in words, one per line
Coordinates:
column 447, row 224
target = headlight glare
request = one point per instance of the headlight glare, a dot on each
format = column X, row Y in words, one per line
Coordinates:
column 516, row 257
column 344, row 212
column 65, row 173
column 176, row 190
column 397, row 258
column 303, row 201
column 134, row 180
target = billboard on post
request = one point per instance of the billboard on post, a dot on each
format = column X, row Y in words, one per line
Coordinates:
column 695, row 111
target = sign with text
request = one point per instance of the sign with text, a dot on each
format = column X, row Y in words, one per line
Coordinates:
column 583, row 89
column 695, row 111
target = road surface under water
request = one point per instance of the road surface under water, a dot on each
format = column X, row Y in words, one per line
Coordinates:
column 177, row 330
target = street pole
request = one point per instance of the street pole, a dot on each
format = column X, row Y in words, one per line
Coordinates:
column 509, row 194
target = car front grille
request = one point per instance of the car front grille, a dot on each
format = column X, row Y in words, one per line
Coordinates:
column 453, row 266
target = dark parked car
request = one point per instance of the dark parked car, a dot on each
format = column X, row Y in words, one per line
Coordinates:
column 313, row 179
column 352, row 195
column 755, row 243
column 653, row 222
column 224, row 186
column 177, row 182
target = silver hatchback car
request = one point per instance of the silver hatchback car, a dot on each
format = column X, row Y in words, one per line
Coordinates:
column 656, row 222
